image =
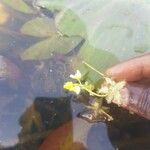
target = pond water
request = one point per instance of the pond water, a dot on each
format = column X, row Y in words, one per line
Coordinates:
column 35, row 111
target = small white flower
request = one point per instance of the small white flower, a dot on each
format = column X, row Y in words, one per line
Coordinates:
column 103, row 89
column 77, row 76
column 76, row 89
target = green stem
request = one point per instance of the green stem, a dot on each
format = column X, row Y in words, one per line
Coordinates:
column 93, row 93
column 79, row 82
column 110, row 117
column 94, row 69
column 89, row 91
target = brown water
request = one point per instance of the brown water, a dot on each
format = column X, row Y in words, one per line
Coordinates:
column 37, row 113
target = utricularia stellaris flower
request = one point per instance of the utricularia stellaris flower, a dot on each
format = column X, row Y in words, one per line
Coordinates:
column 110, row 90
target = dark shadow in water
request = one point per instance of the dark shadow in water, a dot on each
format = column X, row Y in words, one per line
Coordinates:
column 43, row 116
column 48, row 121
column 129, row 132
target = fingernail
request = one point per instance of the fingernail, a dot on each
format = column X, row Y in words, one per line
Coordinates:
column 114, row 73
column 110, row 72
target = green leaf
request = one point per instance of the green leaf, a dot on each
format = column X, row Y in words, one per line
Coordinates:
column 39, row 27
column 70, row 24
column 51, row 4
column 97, row 58
column 116, row 30
column 19, row 5
column 113, row 25
column 110, row 25
column 44, row 49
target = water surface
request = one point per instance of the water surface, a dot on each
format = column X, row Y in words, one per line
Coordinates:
column 35, row 110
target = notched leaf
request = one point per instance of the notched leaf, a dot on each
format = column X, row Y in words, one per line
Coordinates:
column 45, row 48
column 39, row 27
column 70, row 24
column 19, row 5
column 97, row 58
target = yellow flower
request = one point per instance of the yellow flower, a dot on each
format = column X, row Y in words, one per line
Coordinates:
column 72, row 87
column 68, row 85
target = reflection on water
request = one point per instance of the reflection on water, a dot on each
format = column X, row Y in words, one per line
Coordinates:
column 37, row 113
column 129, row 131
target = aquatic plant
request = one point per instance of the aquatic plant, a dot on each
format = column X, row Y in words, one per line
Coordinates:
column 100, row 33
column 109, row 90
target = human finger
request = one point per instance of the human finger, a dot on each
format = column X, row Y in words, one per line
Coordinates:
column 131, row 70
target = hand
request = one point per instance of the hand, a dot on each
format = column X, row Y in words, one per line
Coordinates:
column 137, row 93
column 132, row 70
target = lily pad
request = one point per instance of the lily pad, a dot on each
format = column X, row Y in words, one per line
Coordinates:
column 39, row 27
column 97, row 58
column 70, row 24
column 19, row 5
column 45, row 49
column 112, row 25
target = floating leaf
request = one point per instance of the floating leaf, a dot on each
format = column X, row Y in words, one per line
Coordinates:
column 40, row 27
column 70, row 24
column 113, row 25
column 18, row 5
column 99, row 59
column 45, row 48
column 51, row 5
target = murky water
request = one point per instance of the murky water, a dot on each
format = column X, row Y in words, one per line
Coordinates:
column 36, row 113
